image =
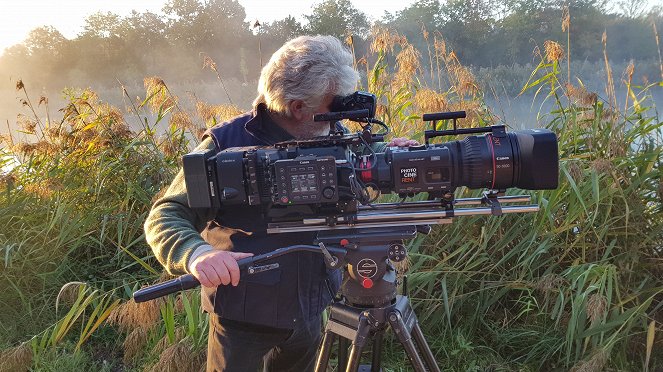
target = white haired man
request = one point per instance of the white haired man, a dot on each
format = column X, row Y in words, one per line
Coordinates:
column 274, row 317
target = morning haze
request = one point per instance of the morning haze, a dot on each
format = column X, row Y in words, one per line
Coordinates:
column 495, row 39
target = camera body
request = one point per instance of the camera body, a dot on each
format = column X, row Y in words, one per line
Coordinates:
column 324, row 172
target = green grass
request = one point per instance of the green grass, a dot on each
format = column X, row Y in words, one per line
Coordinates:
column 577, row 285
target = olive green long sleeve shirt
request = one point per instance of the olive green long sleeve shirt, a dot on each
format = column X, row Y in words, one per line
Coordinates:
column 173, row 229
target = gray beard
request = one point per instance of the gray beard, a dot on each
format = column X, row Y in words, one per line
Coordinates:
column 310, row 130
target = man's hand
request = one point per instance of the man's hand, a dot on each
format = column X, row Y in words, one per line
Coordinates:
column 217, row 267
column 402, row 142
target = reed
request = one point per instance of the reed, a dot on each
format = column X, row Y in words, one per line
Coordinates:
column 576, row 286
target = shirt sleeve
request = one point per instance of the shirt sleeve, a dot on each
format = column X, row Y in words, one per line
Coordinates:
column 172, row 229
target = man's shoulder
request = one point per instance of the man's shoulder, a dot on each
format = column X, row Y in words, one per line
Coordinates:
column 232, row 132
column 234, row 123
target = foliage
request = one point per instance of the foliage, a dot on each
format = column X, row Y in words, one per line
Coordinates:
column 576, row 286
column 482, row 33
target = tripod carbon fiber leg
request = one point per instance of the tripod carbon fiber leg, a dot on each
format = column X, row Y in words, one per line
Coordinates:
column 360, row 324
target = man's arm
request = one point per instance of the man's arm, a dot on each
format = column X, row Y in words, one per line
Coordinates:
column 172, row 229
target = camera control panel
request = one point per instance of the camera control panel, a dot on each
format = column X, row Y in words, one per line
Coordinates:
column 305, row 180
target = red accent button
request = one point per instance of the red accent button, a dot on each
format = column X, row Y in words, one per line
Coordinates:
column 344, row 242
column 367, row 283
column 284, row 199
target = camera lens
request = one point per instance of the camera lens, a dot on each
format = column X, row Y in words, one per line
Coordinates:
column 526, row 159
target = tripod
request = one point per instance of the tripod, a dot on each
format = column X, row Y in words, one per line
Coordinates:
column 369, row 302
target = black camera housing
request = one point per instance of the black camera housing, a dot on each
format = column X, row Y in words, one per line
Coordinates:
column 359, row 100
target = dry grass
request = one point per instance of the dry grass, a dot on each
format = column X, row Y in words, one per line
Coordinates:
column 16, row 359
column 180, row 357
column 131, row 315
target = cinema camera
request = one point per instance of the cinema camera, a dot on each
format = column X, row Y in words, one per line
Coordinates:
column 330, row 184
column 323, row 183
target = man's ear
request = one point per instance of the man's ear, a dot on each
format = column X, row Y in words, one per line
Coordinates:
column 297, row 109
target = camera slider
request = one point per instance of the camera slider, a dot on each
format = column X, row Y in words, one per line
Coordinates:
column 429, row 212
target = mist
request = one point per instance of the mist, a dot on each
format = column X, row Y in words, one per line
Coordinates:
column 206, row 52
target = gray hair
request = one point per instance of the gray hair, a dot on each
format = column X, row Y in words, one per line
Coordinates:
column 306, row 68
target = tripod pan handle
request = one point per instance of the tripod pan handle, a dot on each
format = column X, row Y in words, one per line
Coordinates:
column 181, row 283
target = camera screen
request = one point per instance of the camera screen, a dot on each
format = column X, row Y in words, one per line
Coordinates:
column 303, row 183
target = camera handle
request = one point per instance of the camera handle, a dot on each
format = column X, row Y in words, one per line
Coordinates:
column 188, row 281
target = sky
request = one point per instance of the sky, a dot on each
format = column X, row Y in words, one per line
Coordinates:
column 18, row 17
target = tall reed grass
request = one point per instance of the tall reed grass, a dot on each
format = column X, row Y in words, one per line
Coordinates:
column 577, row 286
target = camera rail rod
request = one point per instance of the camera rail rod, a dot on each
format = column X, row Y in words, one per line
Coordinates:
column 435, row 203
column 399, row 214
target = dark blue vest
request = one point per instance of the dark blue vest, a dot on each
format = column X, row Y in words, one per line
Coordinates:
column 302, row 286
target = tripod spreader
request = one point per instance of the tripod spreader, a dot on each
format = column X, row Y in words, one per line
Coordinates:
column 246, row 265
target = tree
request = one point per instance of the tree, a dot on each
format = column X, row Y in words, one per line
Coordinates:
column 282, row 30
column 410, row 20
column 337, row 18
column 45, row 41
column 102, row 25
column 218, row 23
column 468, row 25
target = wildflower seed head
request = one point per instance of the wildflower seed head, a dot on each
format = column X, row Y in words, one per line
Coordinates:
column 424, row 32
column 549, row 283
column 440, row 47
column 134, row 345
column 384, row 40
column 566, row 19
column 407, row 63
column 594, row 364
column 596, row 307
column 181, row 120
column 26, row 124
column 208, row 62
column 24, row 149
column 157, row 92
column 16, row 359
column 628, row 72
column 180, row 357
column 602, row 166
column 131, row 315
column 428, row 101
column 575, row 171
column 580, row 95
column 349, row 39
column 554, row 51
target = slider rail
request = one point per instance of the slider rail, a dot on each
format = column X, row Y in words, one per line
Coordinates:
column 398, row 214
column 437, row 203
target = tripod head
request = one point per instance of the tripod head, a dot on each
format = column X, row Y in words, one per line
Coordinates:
column 369, row 277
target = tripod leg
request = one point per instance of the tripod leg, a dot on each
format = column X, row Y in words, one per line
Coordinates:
column 403, row 334
column 363, row 329
column 325, row 351
column 425, row 349
column 376, row 361
column 343, row 344
column 354, row 359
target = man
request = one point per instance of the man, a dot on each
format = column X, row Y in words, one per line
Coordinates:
column 272, row 317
